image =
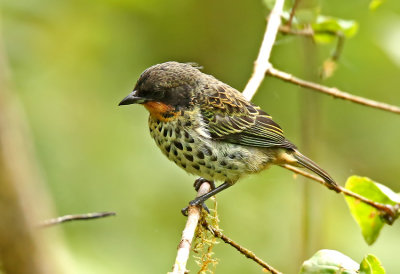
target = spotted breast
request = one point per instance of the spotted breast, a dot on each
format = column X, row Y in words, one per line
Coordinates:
column 184, row 140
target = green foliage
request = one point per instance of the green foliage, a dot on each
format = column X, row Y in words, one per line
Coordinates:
column 332, row 262
column 324, row 29
column 371, row 265
column 329, row 262
column 327, row 28
column 367, row 217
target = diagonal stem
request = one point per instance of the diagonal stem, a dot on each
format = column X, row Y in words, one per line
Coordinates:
column 262, row 64
column 69, row 218
column 332, row 91
column 388, row 212
column 185, row 243
column 249, row 254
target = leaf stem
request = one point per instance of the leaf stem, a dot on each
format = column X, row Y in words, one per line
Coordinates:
column 388, row 212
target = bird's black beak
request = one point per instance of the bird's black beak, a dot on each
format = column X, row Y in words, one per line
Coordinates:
column 132, row 98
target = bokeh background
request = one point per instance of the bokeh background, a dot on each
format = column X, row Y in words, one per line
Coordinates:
column 70, row 64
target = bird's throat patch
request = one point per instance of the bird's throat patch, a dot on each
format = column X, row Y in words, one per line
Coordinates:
column 161, row 111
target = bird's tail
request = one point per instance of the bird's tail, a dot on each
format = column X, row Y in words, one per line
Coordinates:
column 309, row 164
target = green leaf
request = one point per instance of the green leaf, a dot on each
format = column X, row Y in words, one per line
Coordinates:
column 367, row 217
column 371, row 265
column 327, row 28
column 328, row 261
column 374, row 4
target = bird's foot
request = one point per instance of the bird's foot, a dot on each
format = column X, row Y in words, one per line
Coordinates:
column 201, row 181
column 201, row 199
column 193, row 203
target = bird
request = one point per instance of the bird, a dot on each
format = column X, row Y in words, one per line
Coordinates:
column 210, row 129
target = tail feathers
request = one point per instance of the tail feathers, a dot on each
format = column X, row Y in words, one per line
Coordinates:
column 309, row 164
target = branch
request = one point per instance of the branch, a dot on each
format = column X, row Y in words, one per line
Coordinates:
column 332, row 91
column 388, row 212
column 249, row 254
column 69, row 218
column 262, row 64
column 188, row 233
column 292, row 12
column 307, row 31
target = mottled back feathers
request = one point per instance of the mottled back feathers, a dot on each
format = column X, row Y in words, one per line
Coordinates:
column 231, row 118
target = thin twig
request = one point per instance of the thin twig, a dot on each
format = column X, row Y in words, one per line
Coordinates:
column 307, row 31
column 188, row 233
column 262, row 64
column 332, row 91
column 80, row 217
column 388, row 212
column 339, row 46
column 249, row 254
column 292, row 13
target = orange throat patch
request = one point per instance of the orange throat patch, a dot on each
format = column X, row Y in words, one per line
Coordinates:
column 161, row 111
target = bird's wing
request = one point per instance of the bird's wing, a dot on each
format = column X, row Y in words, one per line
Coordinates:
column 231, row 118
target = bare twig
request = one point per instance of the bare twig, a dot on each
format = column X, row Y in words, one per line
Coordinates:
column 188, row 233
column 324, row 89
column 80, row 217
column 332, row 91
column 292, row 13
column 307, row 31
column 262, row 64
column 339, row 46
column 249, row 254
column 388, row 212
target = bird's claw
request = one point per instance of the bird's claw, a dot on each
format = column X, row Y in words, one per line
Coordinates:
column 201, row 181
column 198, row 201
column 185, row 211
column 194, row 203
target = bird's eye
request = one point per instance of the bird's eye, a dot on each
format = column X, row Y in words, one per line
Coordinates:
column 153, row 93
column 160, row 94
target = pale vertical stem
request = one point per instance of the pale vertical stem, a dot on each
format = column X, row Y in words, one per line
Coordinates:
column 185, row 244
column 262, row 64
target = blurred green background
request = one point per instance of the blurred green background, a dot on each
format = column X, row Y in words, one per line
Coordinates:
column 71, row 62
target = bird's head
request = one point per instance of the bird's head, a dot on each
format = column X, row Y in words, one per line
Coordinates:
column 167, row 87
